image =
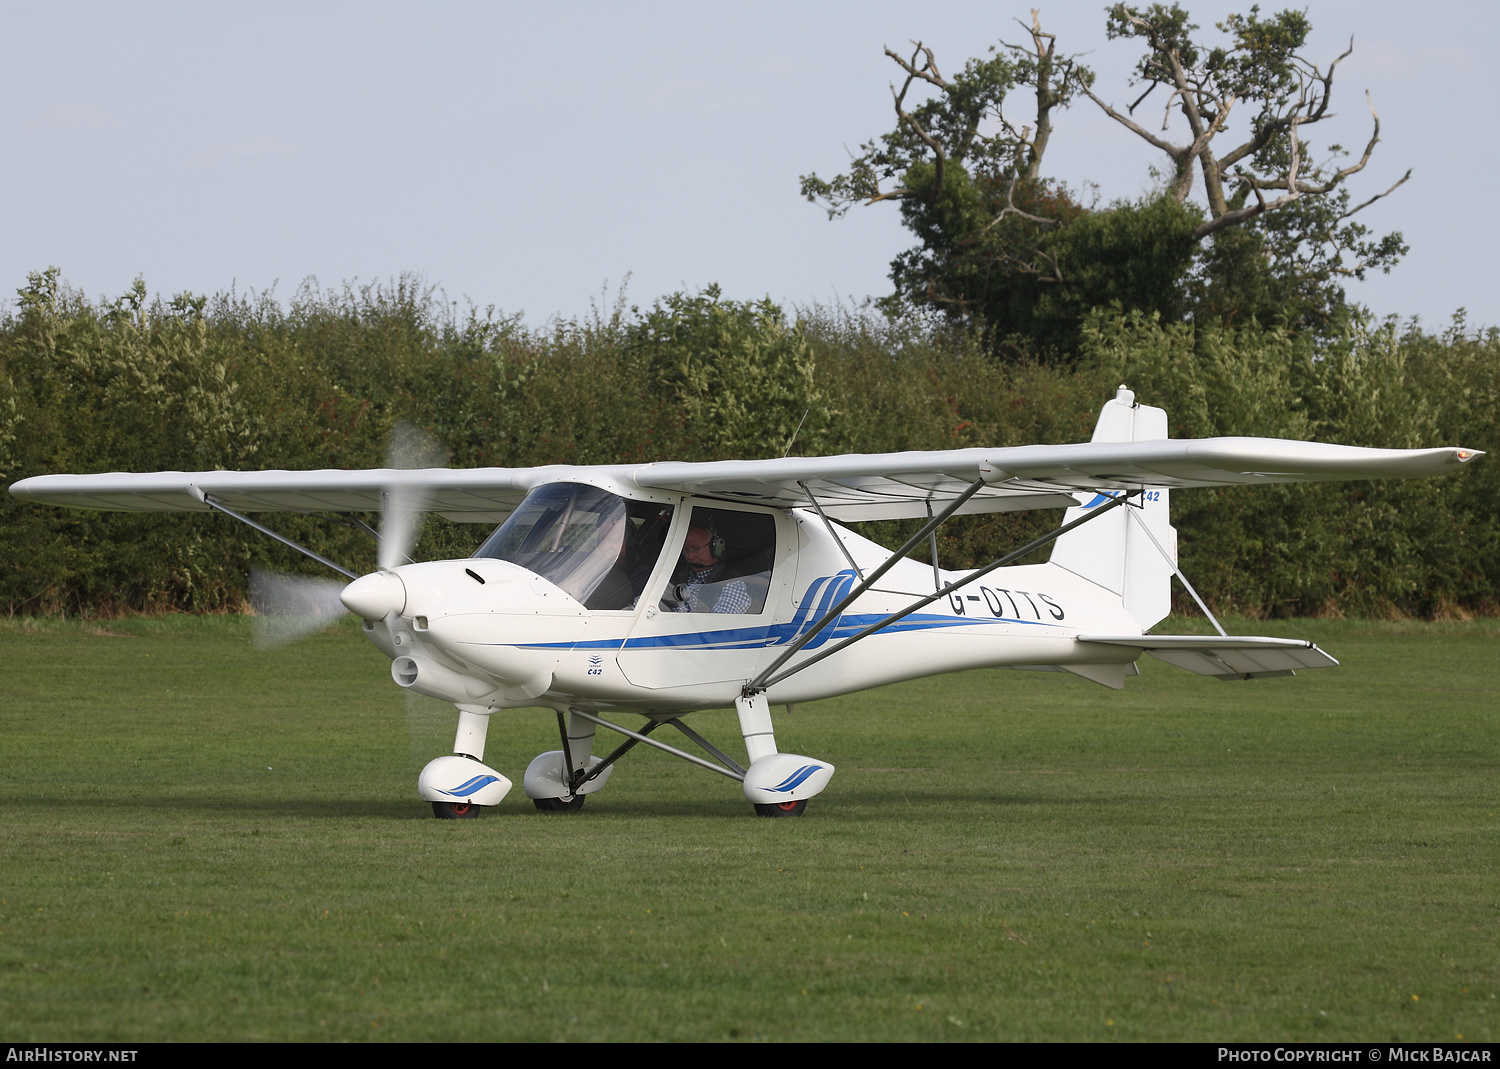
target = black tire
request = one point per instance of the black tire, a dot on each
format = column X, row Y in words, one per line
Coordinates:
column 781, row 809
column 455, row 810
column 560, row 805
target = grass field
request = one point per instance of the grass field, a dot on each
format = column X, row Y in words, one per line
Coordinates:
column 203, row 842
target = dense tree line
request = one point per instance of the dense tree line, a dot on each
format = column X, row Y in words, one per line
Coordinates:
column 239, row 381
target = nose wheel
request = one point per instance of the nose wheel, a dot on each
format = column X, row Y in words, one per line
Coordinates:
column 781, row 809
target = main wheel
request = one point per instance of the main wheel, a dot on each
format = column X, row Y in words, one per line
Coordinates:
column 781, row 809
column 560, row 805
column 455, row 810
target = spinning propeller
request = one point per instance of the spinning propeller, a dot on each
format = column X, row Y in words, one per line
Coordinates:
column 291, row 607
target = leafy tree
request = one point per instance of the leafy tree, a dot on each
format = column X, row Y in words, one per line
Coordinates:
column 736, row 377
column 1006, row 248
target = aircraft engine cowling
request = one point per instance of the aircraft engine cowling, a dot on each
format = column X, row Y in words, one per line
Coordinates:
column 490, row 619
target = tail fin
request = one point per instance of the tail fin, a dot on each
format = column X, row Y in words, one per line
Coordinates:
column 1115, row 550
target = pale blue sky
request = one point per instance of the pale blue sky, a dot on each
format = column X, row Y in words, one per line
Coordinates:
column 525, row 156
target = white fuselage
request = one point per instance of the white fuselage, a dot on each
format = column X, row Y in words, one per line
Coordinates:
column 491, row 634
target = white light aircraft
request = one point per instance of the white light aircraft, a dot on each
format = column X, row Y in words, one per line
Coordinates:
column 660, row 589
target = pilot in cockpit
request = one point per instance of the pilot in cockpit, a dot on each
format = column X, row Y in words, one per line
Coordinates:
column 696, row 585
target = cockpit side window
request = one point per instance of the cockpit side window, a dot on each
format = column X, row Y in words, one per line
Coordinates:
column 596, row 546
column 725, row 566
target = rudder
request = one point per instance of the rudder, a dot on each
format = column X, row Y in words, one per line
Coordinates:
column 1114, row 551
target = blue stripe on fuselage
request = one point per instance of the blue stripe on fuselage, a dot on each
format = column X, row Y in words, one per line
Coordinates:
column 822, row 594
column 778, row 634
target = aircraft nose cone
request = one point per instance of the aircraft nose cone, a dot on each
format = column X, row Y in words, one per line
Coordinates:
column 373, row 596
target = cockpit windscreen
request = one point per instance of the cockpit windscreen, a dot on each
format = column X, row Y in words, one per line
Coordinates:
column 596, row 546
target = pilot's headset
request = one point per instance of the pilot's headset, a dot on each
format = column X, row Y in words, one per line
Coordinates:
column 716, row 543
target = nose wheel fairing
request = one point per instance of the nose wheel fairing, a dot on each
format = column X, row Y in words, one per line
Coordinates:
column 457, row 780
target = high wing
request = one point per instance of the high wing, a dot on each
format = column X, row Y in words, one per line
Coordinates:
column 883, row 486
column 480, row 495
column 873, row 486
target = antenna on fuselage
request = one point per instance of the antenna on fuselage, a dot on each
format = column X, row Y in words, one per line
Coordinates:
column 796, row 432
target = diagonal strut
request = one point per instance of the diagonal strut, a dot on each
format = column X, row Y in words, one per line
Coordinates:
column 765, row 680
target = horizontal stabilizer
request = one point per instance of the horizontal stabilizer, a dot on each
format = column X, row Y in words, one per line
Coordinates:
column 1225, row 656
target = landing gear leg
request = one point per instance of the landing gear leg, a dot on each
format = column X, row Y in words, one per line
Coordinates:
column 578, row 742
column 777, row 784
column 755, row 724
column 556, row 781
column 473, row 727
column 461, row 784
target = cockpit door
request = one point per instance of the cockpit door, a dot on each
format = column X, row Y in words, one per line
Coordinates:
column 711, row 616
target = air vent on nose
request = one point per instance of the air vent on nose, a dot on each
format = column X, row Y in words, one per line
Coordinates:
column 404, row 671
column 475, row 576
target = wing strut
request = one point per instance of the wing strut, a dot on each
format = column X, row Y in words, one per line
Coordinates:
column 766, row 680
column 581, row 777
column 1168, row 558
column 211, row 503
column 937, row 575
column 833, row 535
column 759, row 682
column 355, row 521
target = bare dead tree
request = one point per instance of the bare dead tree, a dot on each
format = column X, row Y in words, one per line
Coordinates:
column 928, row 72
column 949, row 128
column 1055, row 81
column 1204, row 86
